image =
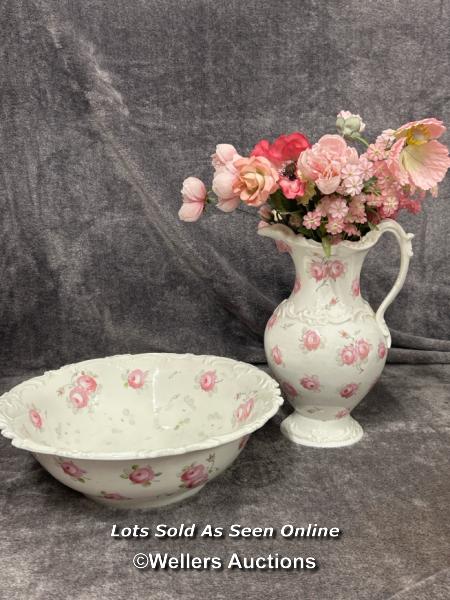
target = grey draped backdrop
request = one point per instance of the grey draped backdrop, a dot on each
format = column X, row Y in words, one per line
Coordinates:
column 106, row 107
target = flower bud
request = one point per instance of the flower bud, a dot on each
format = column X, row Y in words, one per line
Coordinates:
column 349, row 125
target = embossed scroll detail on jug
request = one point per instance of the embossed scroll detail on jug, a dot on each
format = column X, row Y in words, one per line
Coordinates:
column 324, row 344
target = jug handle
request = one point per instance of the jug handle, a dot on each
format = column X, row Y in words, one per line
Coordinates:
column 404, row 241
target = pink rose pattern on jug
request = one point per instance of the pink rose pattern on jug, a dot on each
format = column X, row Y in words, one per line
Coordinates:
column 277, row 356
column 310, row 383
column 354, row 353
column 349, row 390
column 311, row 340
column 324, row 270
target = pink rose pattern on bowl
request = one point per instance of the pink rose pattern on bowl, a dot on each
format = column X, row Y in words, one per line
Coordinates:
column 208, row 381
column 244, row 410
column 140, row 475
column 82, row 391
column 72, row 470
column 136, row 379
column 36, row 418
column 196, row 475
column 155, row 448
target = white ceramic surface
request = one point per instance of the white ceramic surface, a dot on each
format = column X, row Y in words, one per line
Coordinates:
column 324, row 344
column 139, row 430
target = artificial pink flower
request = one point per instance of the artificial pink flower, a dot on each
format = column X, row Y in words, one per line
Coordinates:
column 136, row 378
column 289, row 389
column 351, row 229
column 142, row 475
column 243, row 410
column 348, row 355
column 323, row 162
column 356, row 210
column 79, row 397
column 352, row 185
column 310, row 383
column 291, row 188
column 355, row 287
column 363, row 348
column 312, row 219
column 256, row 180
column 70, row 468
column 35, row 418
column 337, row 208
column 194, row 476
column 334, row 226
column 382, row 350
column 389, row 207
column 365, row 167
column 336, row 268
column 87, row 382
column 208, row 381
column 297, row 285
column 276, row 355
column 416, row 158
column 224, row 155
column 318, row 270
column 311, row 340
column 194, row 199
column 222, row 185
column 348, row 390
column 284, row 149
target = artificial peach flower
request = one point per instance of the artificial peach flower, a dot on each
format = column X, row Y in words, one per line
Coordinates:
column 194, row 199
column 416, row 158
column 256, row 180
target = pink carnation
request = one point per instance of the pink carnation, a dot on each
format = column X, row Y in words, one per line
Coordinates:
column 291, row 188
column 324, row 161
column 284, row 149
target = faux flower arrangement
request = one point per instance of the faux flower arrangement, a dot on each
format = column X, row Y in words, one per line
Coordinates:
column 327, row 191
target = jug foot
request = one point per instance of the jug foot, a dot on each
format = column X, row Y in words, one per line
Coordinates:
column 321, row 434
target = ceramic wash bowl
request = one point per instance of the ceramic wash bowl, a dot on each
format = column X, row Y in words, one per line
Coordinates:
column 139, row 430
